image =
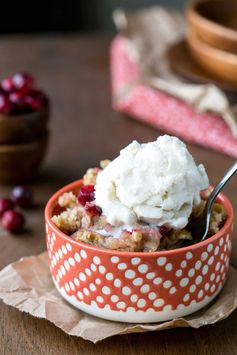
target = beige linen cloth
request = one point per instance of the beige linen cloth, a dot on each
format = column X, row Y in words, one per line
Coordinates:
column 150, row 33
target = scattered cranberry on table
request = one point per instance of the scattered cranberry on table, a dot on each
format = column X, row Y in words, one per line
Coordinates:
column 5, row 205
column 22, row 197
column 13, row 221
column 18, row 94
column 11, row 217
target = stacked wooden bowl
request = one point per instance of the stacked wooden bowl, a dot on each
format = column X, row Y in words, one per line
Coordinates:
column 23, row 142
column 212, row 37
column 23, row 145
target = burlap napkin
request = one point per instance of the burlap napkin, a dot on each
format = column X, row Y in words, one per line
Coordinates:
column 27, row 286
column 150, row 33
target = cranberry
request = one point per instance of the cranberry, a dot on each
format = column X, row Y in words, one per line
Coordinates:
column 22, row 196
column 22, row 81
column 5, row 104
column 37, row 93
column 86, row 194
column 163, row 230
column 92, row 209
column 17, row 98
column 33, row 102
column 13, row 221
column 7, row 85
column 5, row 205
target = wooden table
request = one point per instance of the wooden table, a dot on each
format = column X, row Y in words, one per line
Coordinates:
column 74, row 69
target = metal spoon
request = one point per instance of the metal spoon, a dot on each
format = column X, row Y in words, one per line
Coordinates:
column 199, row 226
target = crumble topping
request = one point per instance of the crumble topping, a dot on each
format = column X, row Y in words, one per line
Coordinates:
column 84, row 221
column 80, row 225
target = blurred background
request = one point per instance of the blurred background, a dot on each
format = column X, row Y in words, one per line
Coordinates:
column 68, row 15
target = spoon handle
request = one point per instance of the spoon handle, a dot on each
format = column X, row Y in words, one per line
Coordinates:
column 215, row 192
column 222, row 183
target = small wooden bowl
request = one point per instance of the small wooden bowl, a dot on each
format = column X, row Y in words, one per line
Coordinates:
column 20, row 162
column 215, row 22
column 221, row 64
column 184, row 65
column 23, row 128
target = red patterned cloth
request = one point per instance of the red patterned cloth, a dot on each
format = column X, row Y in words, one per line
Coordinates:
column 161, row 110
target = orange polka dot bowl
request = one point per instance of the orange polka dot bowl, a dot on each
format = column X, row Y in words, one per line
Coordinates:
column 137, row 287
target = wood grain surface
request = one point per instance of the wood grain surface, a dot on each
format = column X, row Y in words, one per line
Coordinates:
column 74, row 70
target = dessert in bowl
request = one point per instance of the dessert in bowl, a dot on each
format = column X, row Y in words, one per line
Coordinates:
column 141, row 266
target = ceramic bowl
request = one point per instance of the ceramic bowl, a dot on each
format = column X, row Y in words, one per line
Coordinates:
column 23, row 128
column 133, row 286
column 20, row 162
column 221, row 64
column 215, row 22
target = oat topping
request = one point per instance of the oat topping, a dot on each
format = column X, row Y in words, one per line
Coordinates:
column 104, row 163
column 90, row 176
column 69, row 221
column 84, row 221
column 68, row 199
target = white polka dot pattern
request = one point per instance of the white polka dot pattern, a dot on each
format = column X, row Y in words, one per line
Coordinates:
column 125, row 282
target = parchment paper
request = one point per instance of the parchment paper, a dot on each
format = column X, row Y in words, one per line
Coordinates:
column 27, row 286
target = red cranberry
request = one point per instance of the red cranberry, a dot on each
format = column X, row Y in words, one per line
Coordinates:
column 33, row 102
column 22, row 81
column 5, row 205
column 7, row 85
column 86, row 194
column 5, row 104
column 17, row 98
column 13, row 221
column 37, row 93
column 92, row 209
column 22, row 196
column 163, row 230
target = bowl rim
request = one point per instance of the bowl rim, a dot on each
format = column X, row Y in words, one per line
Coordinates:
column 219, row 54
column 75, row 184
column 27, row 115
column 211, row 26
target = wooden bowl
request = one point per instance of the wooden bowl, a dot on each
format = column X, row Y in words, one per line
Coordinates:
column 187, row 69
column 20, row 162
column 219, row 63
column 215, row 21
column 22, row 128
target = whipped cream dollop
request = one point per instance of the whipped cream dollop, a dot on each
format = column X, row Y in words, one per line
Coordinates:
column 156, row 183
